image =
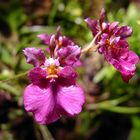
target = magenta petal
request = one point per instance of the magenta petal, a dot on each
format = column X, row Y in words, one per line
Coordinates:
column 113, row 26
column 126, row 78
column 133, row 57
column 45, row 38
column 122, row 59
column 70, row 99
column 69, row 55
column 103, row 39
column 66, row 41
column 102, row 16
column 58, row 32
column 93, row 25
column 41, row 102
column 34, row 56
column 126, row 65
column 122, row 44
column 62, row 52
column 67, row 76
column 124, row 32
column 73, row 57
column 38, row 76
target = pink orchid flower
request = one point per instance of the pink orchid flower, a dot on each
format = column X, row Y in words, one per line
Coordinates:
column 53, row 91
column 112, row 42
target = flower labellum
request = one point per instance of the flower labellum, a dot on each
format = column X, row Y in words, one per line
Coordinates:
column 111, row 39
column 53, row 91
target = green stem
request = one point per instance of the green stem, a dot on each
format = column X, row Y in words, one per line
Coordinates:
column 111, row 105
column 92, row 46
column 121, row 109
column 14, row 77
column 116, row 109
column 117, row 101
column 45, row 133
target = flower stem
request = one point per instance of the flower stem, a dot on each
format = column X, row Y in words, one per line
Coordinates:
column 121, row 109
column 112, row 106
column 45, row 133
column 116, row 109
column 92, row 46
column 119, row 100
column 14, row 77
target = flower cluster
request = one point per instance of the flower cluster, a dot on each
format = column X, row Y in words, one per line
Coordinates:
column 53, row 91
column 112, row 43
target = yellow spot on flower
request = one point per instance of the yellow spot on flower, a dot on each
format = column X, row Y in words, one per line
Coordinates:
column 52, row 71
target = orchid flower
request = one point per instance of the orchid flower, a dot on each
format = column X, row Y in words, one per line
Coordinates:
column 112, row 43
column 53, row 91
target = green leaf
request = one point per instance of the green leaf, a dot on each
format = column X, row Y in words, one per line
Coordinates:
column 135, row 132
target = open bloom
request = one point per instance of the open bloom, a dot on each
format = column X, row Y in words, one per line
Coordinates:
column 53, row 91
column 111, row 39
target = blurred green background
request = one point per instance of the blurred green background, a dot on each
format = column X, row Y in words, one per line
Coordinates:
column 112, row 109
